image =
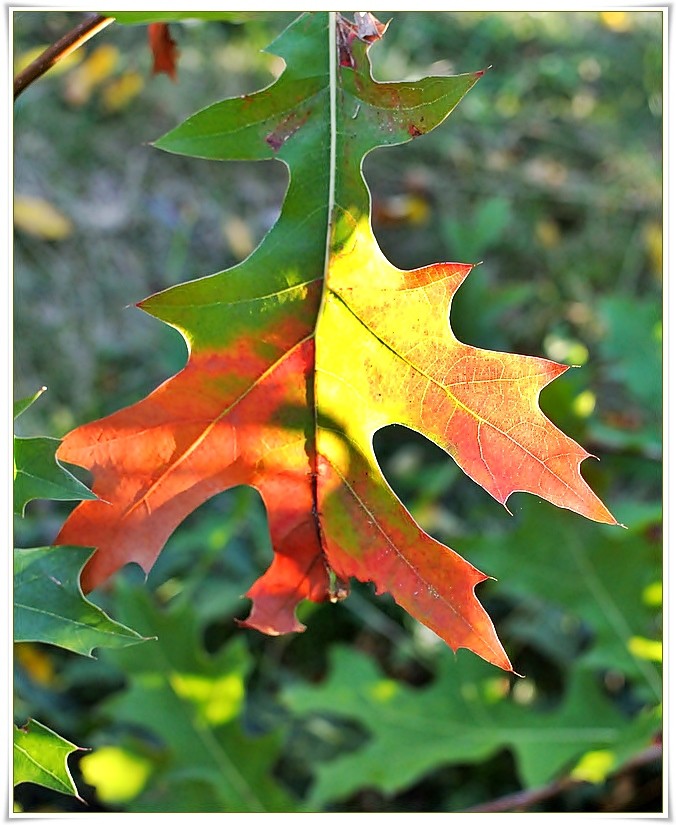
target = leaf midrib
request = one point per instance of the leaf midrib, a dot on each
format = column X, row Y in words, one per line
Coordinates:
column 314, row 475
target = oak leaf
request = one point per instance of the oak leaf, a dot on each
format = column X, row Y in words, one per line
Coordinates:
column 300, row 353
column 41, row 756
column 163, row 48
column 464, row 717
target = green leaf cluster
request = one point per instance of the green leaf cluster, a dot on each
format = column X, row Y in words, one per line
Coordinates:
column 574, row 606
column 182, row 712
column 49, row 606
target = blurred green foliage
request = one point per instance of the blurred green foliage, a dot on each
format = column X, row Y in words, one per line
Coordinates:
column 549, row 172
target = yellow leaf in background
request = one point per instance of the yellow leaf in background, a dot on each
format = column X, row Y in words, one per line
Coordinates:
column 95, row 69
column 119, row 93
column 39, row 218
column 617, row 21
column 652, row 238
column 652, row 594
column 648, row 649
column 26, row 58
column 217, row 700
column 117, row 774
column 584, row 404
column 239, row 238
column 594, row 766
column 548, row 233
column 401, row 209
column 34, row 661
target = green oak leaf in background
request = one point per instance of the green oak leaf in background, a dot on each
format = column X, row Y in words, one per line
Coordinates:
column 49, row 606
column 607, row 580
column 467, row 715
column 37, row 471
column 41, row 757
column 191, row 703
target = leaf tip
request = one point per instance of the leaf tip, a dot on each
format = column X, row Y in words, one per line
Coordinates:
column 482, row 72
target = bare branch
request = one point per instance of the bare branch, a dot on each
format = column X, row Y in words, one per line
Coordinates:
column 522, row 800
column 57, row 51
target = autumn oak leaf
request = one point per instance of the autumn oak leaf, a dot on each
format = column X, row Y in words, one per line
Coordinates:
column 300, row 353
column 163, row 48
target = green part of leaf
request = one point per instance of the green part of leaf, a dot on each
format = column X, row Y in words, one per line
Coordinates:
column 594, row 574
column 250, row 127
column 24, row 403
column 466, row 716
column 49, row 606
column 41, row 757
column 39, row 474
column 135, row 18
column 203, row 697
column 179, row 794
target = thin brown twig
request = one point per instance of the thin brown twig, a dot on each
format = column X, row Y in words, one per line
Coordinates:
column 57, row 51
column 521, row 800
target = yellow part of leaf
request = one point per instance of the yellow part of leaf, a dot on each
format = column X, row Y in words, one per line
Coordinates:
column 38, row 217
column 217, row 700
column 118, row 775
column 594, row 766
column 384, row 690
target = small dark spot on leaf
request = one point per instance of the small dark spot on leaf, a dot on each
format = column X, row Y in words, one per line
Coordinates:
column 274, row 141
